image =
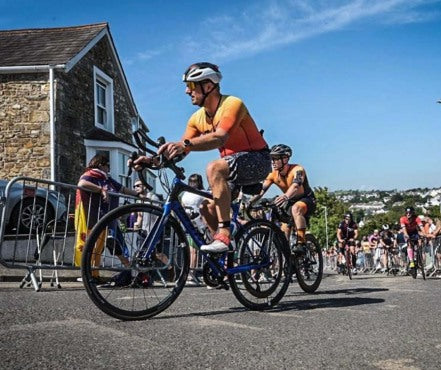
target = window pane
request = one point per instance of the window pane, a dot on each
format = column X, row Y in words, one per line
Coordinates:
column 101, row 116
column 101, row 94
column 122, row 168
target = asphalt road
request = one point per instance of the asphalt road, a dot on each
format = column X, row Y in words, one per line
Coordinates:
column 371, row 322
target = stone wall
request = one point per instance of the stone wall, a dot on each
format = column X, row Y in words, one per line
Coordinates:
column 24, row 117
column 24, row 125
column 75, row 109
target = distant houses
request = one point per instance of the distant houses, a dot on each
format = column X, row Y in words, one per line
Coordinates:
column 377, row 202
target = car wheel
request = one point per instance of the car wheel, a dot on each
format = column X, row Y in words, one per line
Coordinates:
column 30, row 216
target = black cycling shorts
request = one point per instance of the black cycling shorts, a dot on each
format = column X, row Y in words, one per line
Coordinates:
column 247, row 168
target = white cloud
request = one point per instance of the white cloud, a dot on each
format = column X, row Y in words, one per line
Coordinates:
column 277, row 23
column 269, row 24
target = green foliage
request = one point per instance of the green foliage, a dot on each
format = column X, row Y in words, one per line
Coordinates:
column 330, row 208
column 336, row 208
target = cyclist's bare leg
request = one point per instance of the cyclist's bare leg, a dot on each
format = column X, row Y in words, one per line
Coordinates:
column 354, row 259
column 208, row 213
column 286, row 230
column 217, row 175
column 298, row 212
column 410, row 251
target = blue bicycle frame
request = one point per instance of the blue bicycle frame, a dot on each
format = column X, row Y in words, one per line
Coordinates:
column 173, row 204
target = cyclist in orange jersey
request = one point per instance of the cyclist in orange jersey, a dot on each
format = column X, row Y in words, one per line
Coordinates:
column 297, row 199
column 224, row 123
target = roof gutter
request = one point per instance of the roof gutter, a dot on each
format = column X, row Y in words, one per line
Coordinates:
column 52, row 121
column 31, row 69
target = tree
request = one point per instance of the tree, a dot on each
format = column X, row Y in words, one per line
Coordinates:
column 334, row 209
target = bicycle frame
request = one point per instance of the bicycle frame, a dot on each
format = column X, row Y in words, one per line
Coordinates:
column 172, row 204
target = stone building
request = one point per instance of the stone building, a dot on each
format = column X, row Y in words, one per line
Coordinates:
column 63, row 98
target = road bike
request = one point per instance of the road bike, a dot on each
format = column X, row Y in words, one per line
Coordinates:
column 257, row 267
column 346, row 266
column 417, row 256
column 392, row 264
column 307, row 266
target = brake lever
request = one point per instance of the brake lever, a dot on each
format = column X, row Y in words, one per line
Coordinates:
column 171, row 163
column 133, row 157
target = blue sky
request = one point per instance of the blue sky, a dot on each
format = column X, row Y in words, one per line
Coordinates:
column 351, row 85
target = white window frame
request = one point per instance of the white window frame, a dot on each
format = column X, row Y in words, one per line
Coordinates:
column 100, row 77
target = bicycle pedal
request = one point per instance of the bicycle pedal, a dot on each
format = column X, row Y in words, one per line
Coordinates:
column 223, row 285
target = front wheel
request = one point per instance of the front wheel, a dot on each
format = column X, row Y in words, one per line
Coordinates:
column 309, row 266
column 348, row 257
column 420, row 263
column 117, row 280
column 260, row 269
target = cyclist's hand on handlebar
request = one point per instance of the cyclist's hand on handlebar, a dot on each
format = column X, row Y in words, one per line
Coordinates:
column 172, row 150
column 281, row 200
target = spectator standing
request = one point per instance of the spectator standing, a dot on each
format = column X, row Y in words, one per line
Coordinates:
column 373, row 241
column 92, row 203
column 366, row 247
column 192, row 203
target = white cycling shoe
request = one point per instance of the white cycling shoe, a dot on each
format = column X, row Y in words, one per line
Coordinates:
column 216, row 246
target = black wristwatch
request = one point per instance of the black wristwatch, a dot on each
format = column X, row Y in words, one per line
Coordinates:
column 187, row 145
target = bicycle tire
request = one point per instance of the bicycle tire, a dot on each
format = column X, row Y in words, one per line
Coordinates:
column 260, row 242
column 143, row 292
column 309, row 267
column 420, row 263
column 348, row 257
column 413, row 272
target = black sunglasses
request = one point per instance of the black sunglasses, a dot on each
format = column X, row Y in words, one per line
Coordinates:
column 137, row 185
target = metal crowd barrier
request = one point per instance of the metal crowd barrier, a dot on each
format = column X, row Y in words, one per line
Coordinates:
column 37, row 230
column 369, row 264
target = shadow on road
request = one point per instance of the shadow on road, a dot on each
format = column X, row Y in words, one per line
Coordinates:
column 312, row 304
column 347, row 291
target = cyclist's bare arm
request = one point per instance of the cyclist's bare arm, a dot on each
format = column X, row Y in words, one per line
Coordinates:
column 339, row 237
column 404, row 230
column 265, row 186
column 293, row 190
column 355, row 234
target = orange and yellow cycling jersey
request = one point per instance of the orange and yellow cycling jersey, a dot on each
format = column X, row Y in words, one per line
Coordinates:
column 296, row 174
column 232, row 116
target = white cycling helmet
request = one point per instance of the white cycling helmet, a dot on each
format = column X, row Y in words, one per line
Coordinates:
column 202, row 71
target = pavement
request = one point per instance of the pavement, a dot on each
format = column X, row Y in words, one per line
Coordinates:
column 371, row 322
column 17, row 274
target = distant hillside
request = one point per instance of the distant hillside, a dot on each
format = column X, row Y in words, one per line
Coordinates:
column 382, row 201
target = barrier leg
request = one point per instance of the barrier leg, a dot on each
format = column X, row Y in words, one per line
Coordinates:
column 31, row 279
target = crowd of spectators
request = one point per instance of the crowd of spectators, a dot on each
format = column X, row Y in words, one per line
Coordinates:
column 386, row 248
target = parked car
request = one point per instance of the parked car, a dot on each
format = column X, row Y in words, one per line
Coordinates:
column 25, row 206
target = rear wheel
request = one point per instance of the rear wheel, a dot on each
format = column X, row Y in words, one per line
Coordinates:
column 260, row 269
column 309, row 266
column 348, row 257
column 118, row 281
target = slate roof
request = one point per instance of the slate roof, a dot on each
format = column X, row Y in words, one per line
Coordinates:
column 45, row 46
